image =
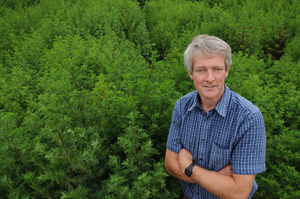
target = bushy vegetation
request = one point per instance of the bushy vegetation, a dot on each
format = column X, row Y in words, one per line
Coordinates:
column 87, row 89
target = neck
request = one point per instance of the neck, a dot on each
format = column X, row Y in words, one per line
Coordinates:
column 207, row 105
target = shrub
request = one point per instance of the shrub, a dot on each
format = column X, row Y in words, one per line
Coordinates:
column 87, row 89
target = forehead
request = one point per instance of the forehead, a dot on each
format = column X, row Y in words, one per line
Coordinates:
column 209, row 60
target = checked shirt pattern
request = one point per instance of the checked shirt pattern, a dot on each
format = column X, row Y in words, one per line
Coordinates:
column 231, row 133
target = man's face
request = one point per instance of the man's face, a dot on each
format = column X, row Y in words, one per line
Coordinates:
column 209, row 76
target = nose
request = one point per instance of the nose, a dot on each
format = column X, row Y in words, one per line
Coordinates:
column 209, row 76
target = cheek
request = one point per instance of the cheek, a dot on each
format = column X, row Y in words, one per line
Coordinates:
column 222, row 77
column 198, row 80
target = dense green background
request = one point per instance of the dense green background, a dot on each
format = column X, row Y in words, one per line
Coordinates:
column 87, row 89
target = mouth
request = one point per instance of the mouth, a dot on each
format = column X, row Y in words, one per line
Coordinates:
column 209, row 87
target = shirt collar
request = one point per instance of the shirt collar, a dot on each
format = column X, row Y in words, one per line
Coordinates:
column 222, row 105
column 196, row 101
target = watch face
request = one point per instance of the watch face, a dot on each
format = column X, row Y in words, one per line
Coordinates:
column 187, row 172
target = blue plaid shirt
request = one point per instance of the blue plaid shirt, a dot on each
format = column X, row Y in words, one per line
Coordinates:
column 231, row 133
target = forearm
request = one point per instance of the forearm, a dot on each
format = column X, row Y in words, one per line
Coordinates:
column 172, row 167
column 174, row 170
column 223, row 183
column 224, row 186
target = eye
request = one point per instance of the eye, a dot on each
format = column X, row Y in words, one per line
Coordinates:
column 218, row 69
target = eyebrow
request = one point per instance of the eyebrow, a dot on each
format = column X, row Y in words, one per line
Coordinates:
column 211, row 67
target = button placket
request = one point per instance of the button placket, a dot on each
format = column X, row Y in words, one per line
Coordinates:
column 202, row 143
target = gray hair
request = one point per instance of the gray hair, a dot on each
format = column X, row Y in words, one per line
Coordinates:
column 205, row 45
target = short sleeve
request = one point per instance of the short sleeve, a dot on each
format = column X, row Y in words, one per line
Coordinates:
column 248, row 157
column 174, row 139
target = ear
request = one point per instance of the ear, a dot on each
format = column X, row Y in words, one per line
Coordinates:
column 227, row 71
column 191, row 76
column 228, row 68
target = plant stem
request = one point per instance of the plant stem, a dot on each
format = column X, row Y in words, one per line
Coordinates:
column 63, row 144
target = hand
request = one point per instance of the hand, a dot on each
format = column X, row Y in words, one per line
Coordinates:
column 185, row 158
column 227, row 170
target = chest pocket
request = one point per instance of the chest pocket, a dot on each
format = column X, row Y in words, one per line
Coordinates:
column 219, row 157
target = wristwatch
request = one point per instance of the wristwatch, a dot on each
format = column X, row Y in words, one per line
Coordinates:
column 188, row 170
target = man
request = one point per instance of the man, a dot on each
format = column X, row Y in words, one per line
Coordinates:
column 217, row 139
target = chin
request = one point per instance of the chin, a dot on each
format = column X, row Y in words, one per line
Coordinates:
column 209, row 96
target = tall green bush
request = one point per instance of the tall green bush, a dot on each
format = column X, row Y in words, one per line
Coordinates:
column 87, row 89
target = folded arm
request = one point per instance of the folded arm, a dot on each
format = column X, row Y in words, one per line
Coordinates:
column 224, row 183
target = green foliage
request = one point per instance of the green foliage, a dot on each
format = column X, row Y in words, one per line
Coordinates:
column 136, row 171
column 246, row 25
column 87, row 90
column 283, row 174
column 18, row 3
column 292, row 48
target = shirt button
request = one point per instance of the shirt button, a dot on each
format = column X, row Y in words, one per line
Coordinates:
column 203, row 140
column 201, row 159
